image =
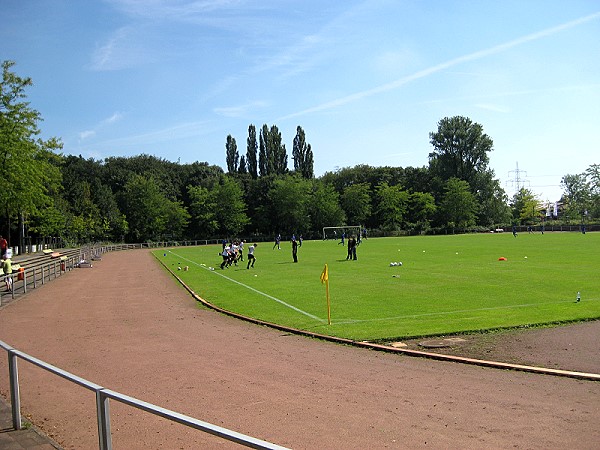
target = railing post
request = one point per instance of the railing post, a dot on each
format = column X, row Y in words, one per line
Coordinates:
column 103, row 413
column 15, row 399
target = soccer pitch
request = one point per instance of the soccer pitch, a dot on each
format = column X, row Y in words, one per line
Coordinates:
column 446, row 284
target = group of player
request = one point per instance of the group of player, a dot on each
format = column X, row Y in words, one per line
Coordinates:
column 234, row 251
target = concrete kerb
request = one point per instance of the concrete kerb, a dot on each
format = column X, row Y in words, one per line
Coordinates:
column 389, row 349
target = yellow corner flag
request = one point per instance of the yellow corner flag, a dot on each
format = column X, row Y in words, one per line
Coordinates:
column 325, row 279
column 325, row 274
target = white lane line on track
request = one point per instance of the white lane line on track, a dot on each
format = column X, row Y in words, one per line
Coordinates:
column 252, row 289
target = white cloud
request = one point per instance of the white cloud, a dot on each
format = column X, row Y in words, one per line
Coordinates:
column 445, row 65
column 86, row 134
column 127, row 47
column 175, row 132
column 492, row 107
column 103, row 123
column 240, row 110
column 114, row 118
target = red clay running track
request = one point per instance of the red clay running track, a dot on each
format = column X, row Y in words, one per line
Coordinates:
column 127, row 326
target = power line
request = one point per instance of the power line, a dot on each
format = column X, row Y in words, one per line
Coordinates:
column 518, row 182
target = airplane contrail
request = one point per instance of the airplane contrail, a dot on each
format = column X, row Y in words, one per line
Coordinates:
column 445, row 65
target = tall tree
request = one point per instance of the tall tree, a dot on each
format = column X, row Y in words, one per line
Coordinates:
column 265, row 157
column 243, row 165
column 302, row 155
column 232, row 155
column 29, row 165
column 278, row 151
column 460, row 151
column 251, row 149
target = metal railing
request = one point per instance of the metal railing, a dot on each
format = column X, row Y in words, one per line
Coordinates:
column 103, row 395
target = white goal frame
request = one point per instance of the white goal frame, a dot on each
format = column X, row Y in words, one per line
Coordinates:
column 346, row 228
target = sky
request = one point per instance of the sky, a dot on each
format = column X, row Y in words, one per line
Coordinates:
column 367, row 81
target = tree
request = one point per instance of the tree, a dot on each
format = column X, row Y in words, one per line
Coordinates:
column 232, row 155
column 289, row 199
column 324, row 206
column 592, row 174
column 251, row 148
column 458, row 206
column 278, row 151
column 265, row 157
column 525, row 207
column 421, row 209
column 243, row 169
column 392, row 203
column 203, row 210
column 356, row 202
column 272, row 153
column 493, row 202
column 230, row 213
column 29, row 165
column 302, row 155
column 151, row 215
column 460, row 150
column 577, row 195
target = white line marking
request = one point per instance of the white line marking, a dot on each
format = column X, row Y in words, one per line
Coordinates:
column 252, row 289
column 445, row 313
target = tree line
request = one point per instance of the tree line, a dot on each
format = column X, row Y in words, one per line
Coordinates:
column 145, row 198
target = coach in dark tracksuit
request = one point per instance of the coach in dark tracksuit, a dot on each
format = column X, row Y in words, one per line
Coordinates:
column 295, row 250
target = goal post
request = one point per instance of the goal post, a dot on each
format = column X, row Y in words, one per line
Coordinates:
column 336, row 232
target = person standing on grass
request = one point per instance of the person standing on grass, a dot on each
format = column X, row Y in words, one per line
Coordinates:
column 351, row 249
column 241, row 251
column 251, row 257
column 277, row 242
column 295, row 250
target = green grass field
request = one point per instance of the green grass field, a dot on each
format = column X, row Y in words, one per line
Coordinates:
column 446, row 285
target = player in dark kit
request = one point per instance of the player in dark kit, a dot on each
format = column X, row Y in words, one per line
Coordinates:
column 295, row 250
column 351, row 249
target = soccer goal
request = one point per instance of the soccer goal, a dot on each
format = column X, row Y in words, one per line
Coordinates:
column 336, row 232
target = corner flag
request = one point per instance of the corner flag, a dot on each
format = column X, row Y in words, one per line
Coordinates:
column 325, row 275
column 325, row 279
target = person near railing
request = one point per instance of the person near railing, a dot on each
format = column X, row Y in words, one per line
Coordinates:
column 7, row 269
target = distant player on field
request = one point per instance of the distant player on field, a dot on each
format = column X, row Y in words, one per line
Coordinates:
column 251, row 257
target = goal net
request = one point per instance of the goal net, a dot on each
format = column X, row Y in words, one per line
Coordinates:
column 337, row 232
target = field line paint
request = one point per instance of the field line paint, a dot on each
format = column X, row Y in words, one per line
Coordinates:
column 264, row 294
column 446, row 313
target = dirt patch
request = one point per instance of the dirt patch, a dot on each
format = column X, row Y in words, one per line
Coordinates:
column 571, row 347
column 127, row 326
